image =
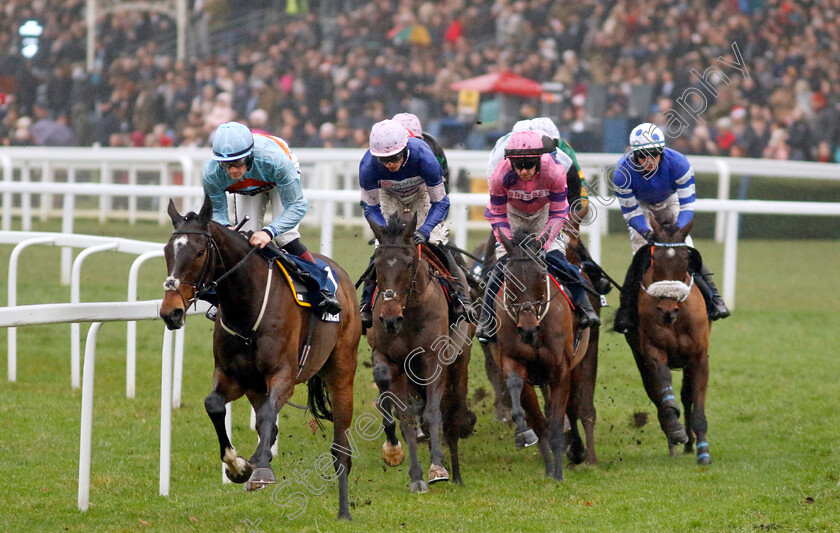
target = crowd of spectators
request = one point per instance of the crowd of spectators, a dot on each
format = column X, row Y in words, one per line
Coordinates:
column 742, row 78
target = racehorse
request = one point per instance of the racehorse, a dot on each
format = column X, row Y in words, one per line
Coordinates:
column 417, row 356
column 581, row 404
column 260, row 332
column 536, row 347
column 673, row 333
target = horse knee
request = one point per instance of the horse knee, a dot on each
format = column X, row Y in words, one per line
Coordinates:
column 214, row 404
column 515, row 381
column 382, row 376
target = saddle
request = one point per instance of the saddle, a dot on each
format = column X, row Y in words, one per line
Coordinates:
column 304, row 278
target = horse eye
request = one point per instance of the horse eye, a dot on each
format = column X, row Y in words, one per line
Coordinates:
column 200, row 253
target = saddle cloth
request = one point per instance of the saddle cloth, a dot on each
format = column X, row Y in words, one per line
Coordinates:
column 320, row 272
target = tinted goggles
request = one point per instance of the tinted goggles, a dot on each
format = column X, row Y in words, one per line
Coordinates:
column 524, row 163
column 647, row 152
column 396, row 158
column 235, row 163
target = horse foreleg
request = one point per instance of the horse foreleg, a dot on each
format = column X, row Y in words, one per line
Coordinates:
column 433, row 419
column 501, row 398
column 656, row 377
column 581, row 404
column 407, row 426
column 392, row 452
column 535, row 419
column 226, row 390
column 699, row 375
column 558, row 398
column 686, row 394
column 524, row 435
column 280, row 389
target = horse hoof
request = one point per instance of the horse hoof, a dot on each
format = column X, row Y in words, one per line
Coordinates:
column 419, row 487
column 526, row 438
column 677, row 437
column 260, row 479
column 704, row 459
column 392, row 454
column 437, row 473
column 245, row 471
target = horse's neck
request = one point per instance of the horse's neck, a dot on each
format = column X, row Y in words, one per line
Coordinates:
column 246, row 280
column 423, row 285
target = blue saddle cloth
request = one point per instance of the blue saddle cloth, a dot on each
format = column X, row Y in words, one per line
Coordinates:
column 320, row 272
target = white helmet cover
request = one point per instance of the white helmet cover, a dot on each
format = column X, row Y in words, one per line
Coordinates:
column 410, row 122
column 646, row 136
column 387, row 137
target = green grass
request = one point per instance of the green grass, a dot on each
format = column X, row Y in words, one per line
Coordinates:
column 771, row 409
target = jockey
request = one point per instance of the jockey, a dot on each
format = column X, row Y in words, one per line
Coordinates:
column 578, row 197
column 400, row 173
column 260, row 169
column 655, row 181
column 528, row 190
column 412, row 124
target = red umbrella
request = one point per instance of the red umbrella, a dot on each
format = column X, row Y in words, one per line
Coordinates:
column 505, row 82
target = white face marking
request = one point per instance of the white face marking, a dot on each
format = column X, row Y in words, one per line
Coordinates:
column 671, row 252
column 391, row 262
column 179, row 243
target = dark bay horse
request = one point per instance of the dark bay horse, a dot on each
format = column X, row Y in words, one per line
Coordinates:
column 418, row 358
column 536, row 348
column 260, row 332
column 673, row 333
column 581, row 404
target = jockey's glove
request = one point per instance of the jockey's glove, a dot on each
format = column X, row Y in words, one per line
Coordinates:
column 420, row 237
column 648, row 235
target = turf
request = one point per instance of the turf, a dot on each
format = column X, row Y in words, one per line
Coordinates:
column 771, row 410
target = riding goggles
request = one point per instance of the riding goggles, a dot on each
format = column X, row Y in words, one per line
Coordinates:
column 647, row 152
column 395, row 158
column 235, row 163
column 524, row 163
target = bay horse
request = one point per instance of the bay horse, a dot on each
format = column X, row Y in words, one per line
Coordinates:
column 418, row 359
column 260, row 332
column 673, row 333
column 535, row 347
column 581, row 404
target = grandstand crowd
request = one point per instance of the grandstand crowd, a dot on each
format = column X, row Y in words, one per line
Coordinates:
column 741, row 78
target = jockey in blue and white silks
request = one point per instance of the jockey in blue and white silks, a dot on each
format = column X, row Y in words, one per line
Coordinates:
column 400, row 173
column 666, row 191
column 655, row 182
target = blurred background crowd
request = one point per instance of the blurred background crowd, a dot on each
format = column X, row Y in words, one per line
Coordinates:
column 741, row 78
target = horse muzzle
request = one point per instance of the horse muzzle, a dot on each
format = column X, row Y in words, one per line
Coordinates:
column 668, row 310
column 528, row 335
column 392, row 323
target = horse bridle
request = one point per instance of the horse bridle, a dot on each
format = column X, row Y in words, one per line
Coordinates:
column 514, row 309
column 391, row 294
column 659, row 288
column 202, row 286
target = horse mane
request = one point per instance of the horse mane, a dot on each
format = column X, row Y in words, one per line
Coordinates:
column 394, row 228
column 524, row 236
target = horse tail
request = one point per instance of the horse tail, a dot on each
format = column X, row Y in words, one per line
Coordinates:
column 319, row 399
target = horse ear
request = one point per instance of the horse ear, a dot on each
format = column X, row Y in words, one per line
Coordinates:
column 683, row 232
column 413, row 223
column 174, row 214
column 505, row 242
column 654, row 225
column 206, row 211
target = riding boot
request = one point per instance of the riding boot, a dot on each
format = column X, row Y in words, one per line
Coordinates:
column 326, row 303
column 716, row 306
column 460, row 301
column 213, row 299
column 586, row 314
column 365, row 307
column 625, row 319
column 487, row 325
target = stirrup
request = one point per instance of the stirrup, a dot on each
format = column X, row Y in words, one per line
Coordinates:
column 211, row 313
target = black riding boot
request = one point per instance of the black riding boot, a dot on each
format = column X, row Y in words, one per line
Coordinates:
column 460, row 301
column 716, row 306
column 487, row 324
column 365, row 303
column 625, row 316
column 587, row 317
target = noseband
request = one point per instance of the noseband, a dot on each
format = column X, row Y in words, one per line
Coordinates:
column 391, row 294
column 669, row 289
column 539, row 308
